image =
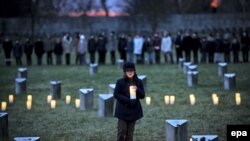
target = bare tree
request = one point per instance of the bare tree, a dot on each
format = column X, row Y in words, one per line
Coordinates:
column 105, row 7
column 150, row 9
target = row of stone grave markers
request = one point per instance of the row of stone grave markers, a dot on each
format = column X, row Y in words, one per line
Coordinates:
column 93, row 68
column 192, row 72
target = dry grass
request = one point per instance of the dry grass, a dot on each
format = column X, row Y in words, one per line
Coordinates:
column 65, row 123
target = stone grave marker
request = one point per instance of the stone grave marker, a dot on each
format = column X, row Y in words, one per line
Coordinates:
column 222, row 69
column 185, row 66
column 181, row 61
column 192, row 78
column 27, row 139
column 55, row 89
column 229, row 81
column 20, row 86
column 120, row 63
column 22, row 73
column 93, row 69
column 105, row 105
column 86, row 98
column 144, row 81
column 205, row 137
column 4, row 130
column 176, row 130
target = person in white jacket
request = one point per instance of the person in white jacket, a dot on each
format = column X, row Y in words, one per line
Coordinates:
column 81, row 50
column 166, row 48
column 138, row 44
column 67, row 47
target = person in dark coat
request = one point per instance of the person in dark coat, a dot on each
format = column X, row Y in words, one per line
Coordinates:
column 102, row 50
column 196, row 45
column 18, row 52
column 178, row 48
column 58, row 50
column 28, row 49
column 128, row 92
column 235, row 46
column 122, row 47
column 7, row 47
column 39, row 51
column 186, row 46
column 157, row 47
column 92, row 48
column 245, row 43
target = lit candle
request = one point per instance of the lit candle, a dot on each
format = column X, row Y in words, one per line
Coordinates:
column 29, row 98
column 237, row 98
column 68, row 98
column 166, row 98
column 11, row 98
column 215, row 99
column 77, row 103
column 148, row 100
column 132, row 92
column 3, row 106
column 49, row 98
column 28, row 104
column 192, row 99
column 172, row 99
column 53, row 104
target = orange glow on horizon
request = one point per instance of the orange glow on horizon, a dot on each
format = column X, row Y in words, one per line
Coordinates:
column 215, row 3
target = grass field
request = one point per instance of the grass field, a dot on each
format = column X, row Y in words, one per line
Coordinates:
column 66, row 123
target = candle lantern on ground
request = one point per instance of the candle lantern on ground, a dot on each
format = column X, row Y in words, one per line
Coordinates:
column 11, row 98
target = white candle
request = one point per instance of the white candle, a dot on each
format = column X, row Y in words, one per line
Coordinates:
column 11, row 98
column 237, row 99
column 166, row 99
column 132, row 92
column 172, row 99
column 148, row 100
column 29, row 98
column 77, row 102
column 53, row 104
column 3, row 106
column 68, row 99
column 49, row 98
column 192, row 99
column 28, row 104
column 215, row 99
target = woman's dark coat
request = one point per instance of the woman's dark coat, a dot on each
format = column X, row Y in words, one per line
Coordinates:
column 127, row 109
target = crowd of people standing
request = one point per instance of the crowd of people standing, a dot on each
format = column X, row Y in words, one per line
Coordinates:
column 207, row 46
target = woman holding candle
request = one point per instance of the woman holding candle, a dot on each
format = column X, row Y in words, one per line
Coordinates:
column 128, row 92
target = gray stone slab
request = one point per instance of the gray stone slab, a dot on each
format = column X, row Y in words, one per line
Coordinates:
column 55, row 89
column 27, row 139
column 4, row 129
column 205, row 137
column 176, row 130
column 192, row 78
column 222, row 69
column 229, row 81
column 105, row 105
column 86, row 98
column 22, row 73
column 20, row 85
column 93, row 69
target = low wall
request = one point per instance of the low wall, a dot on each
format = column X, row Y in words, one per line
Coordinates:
column 97, row 24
